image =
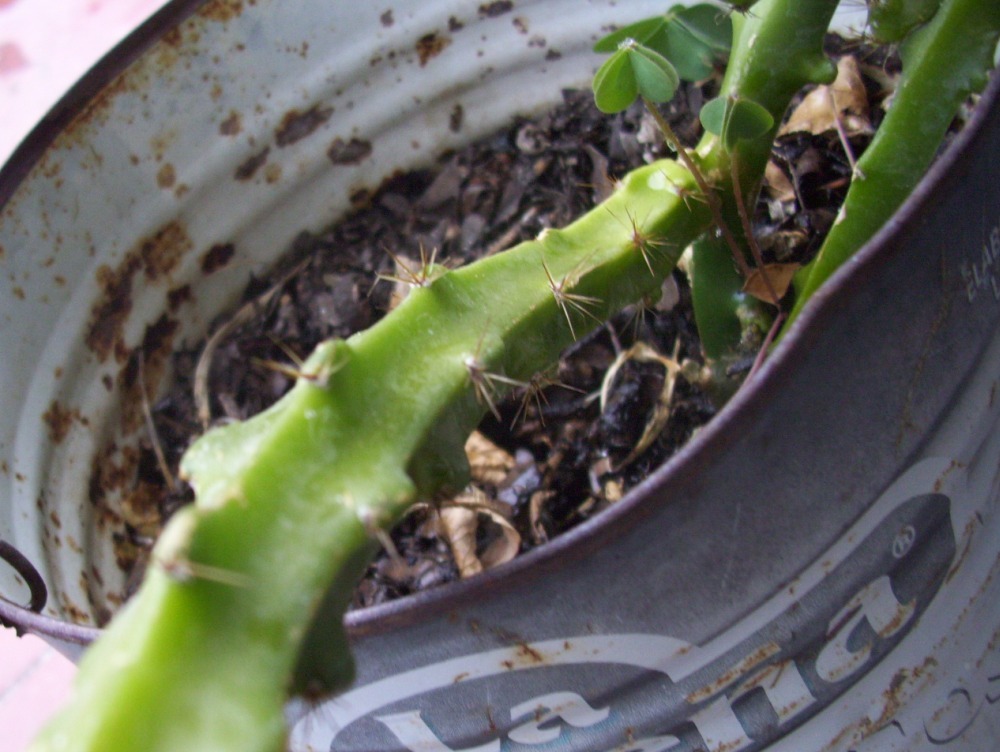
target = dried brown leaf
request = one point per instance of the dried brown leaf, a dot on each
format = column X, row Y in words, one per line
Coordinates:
column 535, row 507
column 778, row 184
column 846, row 99
column 488, row 463
column 779, row 276
column 458, row 527
column 459, row 521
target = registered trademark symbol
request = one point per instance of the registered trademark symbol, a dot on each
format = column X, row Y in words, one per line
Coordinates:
column 904, row 541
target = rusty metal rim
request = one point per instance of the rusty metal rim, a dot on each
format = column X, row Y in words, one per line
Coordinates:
column 682, row 469
column 76, row 99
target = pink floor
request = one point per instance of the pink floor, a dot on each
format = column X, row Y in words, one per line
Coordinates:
column 45, row 45
column 34, row 681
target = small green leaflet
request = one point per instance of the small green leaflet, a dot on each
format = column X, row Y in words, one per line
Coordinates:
column 693, row 39
column 634, row 71
column 735, row 120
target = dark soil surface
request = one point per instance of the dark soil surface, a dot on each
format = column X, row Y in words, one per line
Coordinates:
column 559, row 458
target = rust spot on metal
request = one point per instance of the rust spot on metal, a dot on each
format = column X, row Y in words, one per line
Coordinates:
column 350, row 152
column 54, row 516
column 296, row 125
column 272, row 173
column 430, row 46
column 161, row 143
column 221, row 10
column 456, row 119
column 232, row 125
column 528, row 654
column 155, row 258
column 161, row 253
column 60, row 420
column 735, row 672
column 172, row 37
column 246, row 170
column 454, row 24
column 521, row 24
column 497, row 8
column 967, row 533
column 217, row 257
column 76, row 614
column 939, row 483
column 166, row 176
column 178, row 296
column 387, row 19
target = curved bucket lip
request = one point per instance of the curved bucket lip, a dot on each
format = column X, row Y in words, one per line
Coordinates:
column 691, row 460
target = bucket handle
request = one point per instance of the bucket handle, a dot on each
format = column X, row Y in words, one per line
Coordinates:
column 21, row 565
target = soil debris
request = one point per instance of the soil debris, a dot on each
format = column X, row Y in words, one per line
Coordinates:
column 559, row 450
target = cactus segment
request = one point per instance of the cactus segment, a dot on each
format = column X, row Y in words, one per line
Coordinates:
column 943, row 63
column 289, row 502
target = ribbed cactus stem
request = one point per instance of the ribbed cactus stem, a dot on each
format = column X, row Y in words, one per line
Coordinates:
column 288, row 502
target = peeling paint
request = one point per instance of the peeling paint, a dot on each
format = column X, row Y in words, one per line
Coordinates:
column 246, row 170
column 232, row 125
column 497, row 8
column 296, row 125
column 217, row 257
column 430, row 46
column 155, row 258
column 350, row 152
column 222, row 10
column 60, row 419
column 166, row 176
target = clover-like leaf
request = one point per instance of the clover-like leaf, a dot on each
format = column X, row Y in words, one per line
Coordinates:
column 706, row 24
column 633, row 71
column 615, row 86
column 735, row 119
column 692, row 38
column 655, row 77
column 713, row 115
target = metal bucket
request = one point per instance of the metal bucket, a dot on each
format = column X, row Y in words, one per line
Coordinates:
column 815, row 571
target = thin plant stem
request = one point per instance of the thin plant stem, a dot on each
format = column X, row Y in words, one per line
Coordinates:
column 741, row 209
column 711, row 197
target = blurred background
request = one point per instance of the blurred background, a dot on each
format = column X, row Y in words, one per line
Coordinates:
column 45, row 46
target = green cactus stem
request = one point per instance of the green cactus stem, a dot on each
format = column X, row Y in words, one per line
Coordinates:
column 205, row 655
column 943, row 63
column 759, row 73
column 891, row 20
